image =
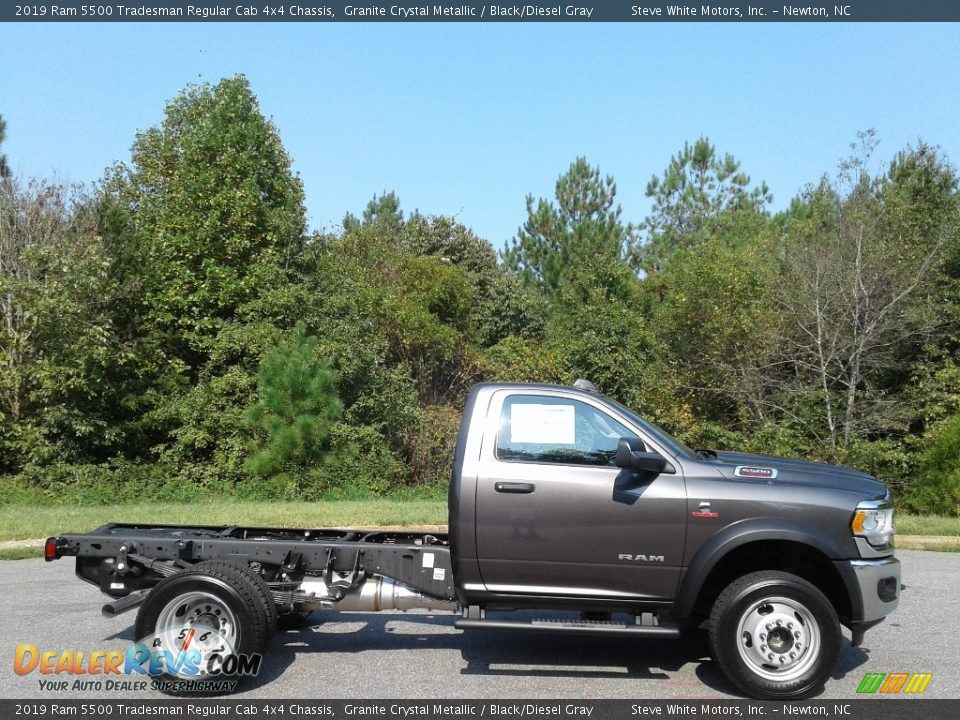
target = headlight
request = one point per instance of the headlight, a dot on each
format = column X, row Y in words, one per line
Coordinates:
column 873, row 520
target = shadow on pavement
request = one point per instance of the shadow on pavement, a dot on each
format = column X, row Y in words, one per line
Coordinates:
column 496, row 653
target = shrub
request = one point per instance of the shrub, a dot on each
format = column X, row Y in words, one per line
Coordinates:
column 936, row 487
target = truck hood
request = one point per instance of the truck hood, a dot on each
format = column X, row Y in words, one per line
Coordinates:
column 735, row 466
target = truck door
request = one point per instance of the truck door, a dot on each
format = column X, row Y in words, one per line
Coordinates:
column 556, row 517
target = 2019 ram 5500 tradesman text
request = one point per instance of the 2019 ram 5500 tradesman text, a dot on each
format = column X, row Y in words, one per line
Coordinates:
column 560, row 498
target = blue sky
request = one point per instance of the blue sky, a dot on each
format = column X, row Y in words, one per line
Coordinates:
column 467, row 119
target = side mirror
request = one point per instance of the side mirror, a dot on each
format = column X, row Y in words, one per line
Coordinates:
column 632, row 455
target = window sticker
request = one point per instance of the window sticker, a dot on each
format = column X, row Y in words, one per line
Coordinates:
column 549, row 424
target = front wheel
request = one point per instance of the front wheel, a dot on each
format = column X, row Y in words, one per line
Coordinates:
column 775, row 635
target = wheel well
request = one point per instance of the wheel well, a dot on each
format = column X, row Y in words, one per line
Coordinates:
column 792, row 557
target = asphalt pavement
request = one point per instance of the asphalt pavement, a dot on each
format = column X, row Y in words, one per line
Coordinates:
column 421, row 655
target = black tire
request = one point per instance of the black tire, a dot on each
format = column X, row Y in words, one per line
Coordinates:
column 744, row 606
column 266, row 597
column 238, row 592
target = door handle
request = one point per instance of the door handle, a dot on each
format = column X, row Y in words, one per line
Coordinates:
column 514, row 487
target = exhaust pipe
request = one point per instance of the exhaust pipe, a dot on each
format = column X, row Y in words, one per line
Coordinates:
column 374, row 594
column 124, row 604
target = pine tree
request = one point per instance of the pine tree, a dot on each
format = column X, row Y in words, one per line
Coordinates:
column 296, row 408
column 699, row 191
column 582, row 227
column 381, row 210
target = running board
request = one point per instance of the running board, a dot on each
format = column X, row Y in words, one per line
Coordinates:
column 572, row 627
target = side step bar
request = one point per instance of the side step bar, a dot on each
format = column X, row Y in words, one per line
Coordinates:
column 572, row 627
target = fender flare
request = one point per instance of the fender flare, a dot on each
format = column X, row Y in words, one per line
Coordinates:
column 739, row 534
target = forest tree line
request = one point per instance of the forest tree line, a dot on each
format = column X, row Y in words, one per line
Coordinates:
column 177, row 333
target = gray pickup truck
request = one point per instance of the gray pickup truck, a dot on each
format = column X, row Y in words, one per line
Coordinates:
column 560, row 499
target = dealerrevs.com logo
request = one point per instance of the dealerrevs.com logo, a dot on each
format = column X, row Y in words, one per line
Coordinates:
column 894, row 683
column 187, row 659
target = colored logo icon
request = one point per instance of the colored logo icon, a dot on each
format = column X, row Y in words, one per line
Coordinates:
column 894, row 683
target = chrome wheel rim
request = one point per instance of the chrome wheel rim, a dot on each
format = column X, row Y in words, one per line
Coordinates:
column 778, row 638
column 201, row 611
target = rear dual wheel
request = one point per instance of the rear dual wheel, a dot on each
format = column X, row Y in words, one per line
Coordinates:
column 202, row 624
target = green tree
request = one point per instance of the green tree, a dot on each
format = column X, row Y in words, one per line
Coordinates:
column 57, row 346
column 402, row 310
column 715, row 315
column 921, row 196
column 217, row 215
column 698, row 192
column 395, row 327
column 860, row 267
column 503, row 305
column 936, row 488
column 383, row 209
column 215, row 219
column 599, row 330
column 297, row 406
column 583, row 226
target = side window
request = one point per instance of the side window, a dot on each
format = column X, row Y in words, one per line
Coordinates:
column 557, row 430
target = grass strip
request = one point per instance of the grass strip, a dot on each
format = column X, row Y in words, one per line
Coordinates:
column 927, row 525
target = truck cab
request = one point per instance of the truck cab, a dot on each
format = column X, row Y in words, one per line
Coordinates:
column 563, row 498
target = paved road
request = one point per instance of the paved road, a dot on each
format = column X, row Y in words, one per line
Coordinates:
column 422, row 655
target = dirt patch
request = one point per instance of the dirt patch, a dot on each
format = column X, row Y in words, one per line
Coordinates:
column 15, row 544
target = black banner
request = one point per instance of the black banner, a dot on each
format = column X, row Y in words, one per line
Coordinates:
column 237, row 709
column 365, row 11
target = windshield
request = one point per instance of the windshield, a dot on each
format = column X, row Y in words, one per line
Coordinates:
column 674, row 445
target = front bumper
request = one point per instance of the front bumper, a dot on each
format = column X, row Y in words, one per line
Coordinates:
column 873, row 587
